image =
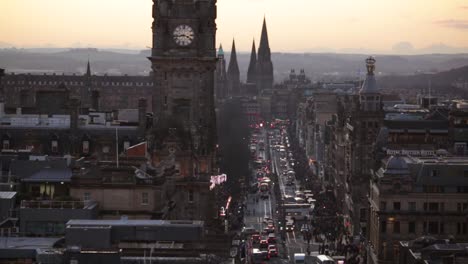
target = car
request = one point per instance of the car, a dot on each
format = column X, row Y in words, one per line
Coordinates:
column 304, row 228
column 263, row 244
column 271, row 238
column 289, row 183
column 272, row 253
column 289, row 226
column 256, row 238
column 264, row 196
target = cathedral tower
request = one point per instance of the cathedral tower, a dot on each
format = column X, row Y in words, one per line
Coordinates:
column 252, row 71
column 264, row 64
column 233, row 73
column 183, row 62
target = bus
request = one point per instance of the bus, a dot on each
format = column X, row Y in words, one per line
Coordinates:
column 298, row 210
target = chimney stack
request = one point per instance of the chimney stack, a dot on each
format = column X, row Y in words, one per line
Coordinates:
column 95, row 100
column 74, row 110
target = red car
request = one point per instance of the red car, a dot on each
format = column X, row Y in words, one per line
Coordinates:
column 263, row 244
column 256, row 238
column 272, row 253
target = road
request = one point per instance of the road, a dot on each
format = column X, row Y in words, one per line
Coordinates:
column 257, row 209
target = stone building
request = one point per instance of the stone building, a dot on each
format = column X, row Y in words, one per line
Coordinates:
column 412, row 197
column 264, row 69
column 184, row 62
column 361, row 131
column 221, row 77
column 101, row 93
column 233, row 74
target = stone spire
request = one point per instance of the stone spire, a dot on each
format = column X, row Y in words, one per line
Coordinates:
column 233, row 68
column 233, row 73
column 221, row 85
column 264, row 64
column 88, row 70
column 264, row 52
column 251, row 73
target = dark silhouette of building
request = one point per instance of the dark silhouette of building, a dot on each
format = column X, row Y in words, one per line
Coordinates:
column 233, row 73
column 264, row 69
column 252, row 71
column 221, row 78
column 184, row 63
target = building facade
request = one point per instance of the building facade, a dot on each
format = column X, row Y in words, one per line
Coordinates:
column 184, row 62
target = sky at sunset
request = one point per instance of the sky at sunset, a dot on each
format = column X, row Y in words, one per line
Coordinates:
column 294, row 25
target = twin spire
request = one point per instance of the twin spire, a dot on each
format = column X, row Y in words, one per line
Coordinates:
column 260, row 71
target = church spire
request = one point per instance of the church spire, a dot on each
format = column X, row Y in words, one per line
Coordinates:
column 264, row 65
column 233, row 68
column 251, row 73
column 88, row 70
column 233, row 73
column 220, row 51
column 264, row 49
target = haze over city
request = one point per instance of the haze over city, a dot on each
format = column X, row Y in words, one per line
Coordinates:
column 359, row 26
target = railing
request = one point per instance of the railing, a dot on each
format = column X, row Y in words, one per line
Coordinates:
column 54, row 204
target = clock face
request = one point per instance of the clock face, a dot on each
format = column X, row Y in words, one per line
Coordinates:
column 183, row 35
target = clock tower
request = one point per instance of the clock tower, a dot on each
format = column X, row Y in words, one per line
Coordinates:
column 183, row 61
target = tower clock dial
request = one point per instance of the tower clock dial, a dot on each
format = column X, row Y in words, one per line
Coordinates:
column 183, row 35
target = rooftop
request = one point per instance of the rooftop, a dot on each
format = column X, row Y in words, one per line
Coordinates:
column 125, row 222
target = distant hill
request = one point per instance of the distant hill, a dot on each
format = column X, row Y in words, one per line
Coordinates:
column 318, row 66
column 438, row 81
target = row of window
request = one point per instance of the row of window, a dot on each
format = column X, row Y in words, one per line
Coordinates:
column 431, row 227
column 427, row 207
column 80, row 83
column 55, row 149
column 144, row 197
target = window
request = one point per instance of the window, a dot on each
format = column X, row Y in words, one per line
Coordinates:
column 461, row 229
column 383, row 227
column 433, row 207
column 144, row 198
column 442, row 228
column 383, row 206
column 433, row 228
column 412, row 227
column 54, row 146
column 411, row 206
column 396, row 206
column 396, row 227
column 435, row 173
column 86, row 147
column 105, row 149
column 190, row 196
column 462, row 207
column 87, row 196
column 6, row 144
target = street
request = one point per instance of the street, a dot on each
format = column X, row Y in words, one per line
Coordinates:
column 258, row 209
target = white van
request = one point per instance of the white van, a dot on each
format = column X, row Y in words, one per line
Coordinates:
column 324, row 259
column 299, row 258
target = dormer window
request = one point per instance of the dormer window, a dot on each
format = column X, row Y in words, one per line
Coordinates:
column 86, row 147
column 54, row 146
column 6, row 144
